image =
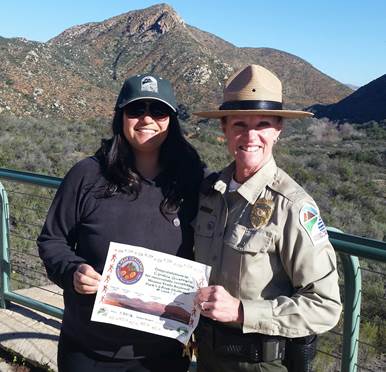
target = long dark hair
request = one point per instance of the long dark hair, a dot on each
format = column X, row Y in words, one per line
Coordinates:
column 180, row 163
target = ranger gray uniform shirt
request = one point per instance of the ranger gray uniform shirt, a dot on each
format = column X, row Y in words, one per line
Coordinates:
column 275, row 257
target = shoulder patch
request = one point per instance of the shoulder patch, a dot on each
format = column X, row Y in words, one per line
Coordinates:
column 313, row 224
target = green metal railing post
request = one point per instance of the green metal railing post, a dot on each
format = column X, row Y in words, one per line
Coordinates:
column 4, row 241
column 350, row 247
column 6, row 293
column 352, row 297
column 352, row 311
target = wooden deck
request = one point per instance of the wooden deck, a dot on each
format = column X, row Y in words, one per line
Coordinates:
column 32, row 334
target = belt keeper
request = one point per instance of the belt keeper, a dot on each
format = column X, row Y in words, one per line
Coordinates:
column 255, row 354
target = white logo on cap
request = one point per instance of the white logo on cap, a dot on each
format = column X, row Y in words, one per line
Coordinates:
column 149, row 84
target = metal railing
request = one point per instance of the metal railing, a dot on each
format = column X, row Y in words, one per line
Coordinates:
column 349, row 248
column 6, row 292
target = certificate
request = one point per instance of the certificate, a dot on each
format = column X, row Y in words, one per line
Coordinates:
column 150, row 291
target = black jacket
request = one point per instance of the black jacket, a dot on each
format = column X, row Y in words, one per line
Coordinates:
column 81, row 223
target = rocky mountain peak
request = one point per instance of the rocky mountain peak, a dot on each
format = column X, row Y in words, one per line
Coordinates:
column 158, row 19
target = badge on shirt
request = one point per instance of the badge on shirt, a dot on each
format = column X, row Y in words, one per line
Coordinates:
column 261, row 212
column 312, row 222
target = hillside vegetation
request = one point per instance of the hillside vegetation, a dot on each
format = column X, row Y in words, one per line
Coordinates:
column 343, row 168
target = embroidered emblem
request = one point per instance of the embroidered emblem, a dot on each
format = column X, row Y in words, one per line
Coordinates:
column 149, row 84
column 312, row 222
column 129, row 270
column 261, row 212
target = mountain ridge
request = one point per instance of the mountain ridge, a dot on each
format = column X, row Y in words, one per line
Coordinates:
column 365, row 104
column 78, row 73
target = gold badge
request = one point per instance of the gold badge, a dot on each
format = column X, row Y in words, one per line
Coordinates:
column 261, row 212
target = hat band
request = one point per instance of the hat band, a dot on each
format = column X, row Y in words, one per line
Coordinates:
column 251, row 105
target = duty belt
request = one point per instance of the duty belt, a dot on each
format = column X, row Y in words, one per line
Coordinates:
column 251, row 347
column 264, row 350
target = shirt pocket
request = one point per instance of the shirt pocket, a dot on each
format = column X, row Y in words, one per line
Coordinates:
column 249, row 240
column 205, row 225
column 203, row 236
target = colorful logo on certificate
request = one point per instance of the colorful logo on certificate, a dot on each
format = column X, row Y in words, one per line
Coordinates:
column 129, row 270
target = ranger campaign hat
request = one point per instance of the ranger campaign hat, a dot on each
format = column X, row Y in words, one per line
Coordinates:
column 254, row 90
column 146, row 86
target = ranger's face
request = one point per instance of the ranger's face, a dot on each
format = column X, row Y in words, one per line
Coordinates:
column 250, row 141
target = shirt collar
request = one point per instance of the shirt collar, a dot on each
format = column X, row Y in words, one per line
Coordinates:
column 252, row 188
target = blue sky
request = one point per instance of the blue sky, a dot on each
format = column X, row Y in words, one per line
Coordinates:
column 345, row 39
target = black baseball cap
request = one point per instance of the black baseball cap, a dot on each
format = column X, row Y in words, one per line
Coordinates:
column 146, row 87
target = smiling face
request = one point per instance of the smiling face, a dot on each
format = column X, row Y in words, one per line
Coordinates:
column 145, row 125
column 250, row 141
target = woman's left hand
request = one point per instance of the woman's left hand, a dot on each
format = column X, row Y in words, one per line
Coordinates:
column 218, row 304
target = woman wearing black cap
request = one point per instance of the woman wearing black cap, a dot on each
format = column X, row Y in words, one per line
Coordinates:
column 141, row 189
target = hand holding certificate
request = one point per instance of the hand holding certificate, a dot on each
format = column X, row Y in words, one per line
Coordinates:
column 149, row 291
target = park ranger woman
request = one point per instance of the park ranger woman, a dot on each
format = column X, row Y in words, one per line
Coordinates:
column 274, row 282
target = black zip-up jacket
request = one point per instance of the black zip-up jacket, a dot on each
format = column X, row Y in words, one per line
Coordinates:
column 80, row 225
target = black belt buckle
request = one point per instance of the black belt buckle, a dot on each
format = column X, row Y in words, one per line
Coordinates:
column 272, row 349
